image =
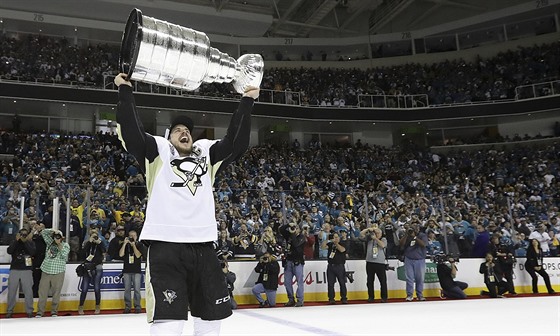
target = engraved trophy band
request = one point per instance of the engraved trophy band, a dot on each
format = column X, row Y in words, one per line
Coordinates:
column 163, row 53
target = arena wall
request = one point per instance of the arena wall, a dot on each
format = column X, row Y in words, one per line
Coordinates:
column 315, row 283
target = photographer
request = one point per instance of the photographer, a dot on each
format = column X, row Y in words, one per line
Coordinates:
column 447, row 271
column 293, row 262
column 131, row 253
column 53, row 269
column 115, row 244
column 21, row 272
column 230, row 278
column 493, row 277
column 534, row 265
column 335, row 269
column 503, row 254
column 94, row 251
column 268, row 270
column 39, row 257
column 376, row 261
column 413, row 244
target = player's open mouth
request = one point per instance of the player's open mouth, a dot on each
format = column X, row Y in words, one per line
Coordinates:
column 184, row 140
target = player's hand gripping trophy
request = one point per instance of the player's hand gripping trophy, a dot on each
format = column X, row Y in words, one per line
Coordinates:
column 159, row 52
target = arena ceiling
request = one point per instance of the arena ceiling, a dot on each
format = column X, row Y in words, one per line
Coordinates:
column 253, row 18
column 301, row 18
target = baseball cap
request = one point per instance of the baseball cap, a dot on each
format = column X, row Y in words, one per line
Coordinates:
column 182, row 120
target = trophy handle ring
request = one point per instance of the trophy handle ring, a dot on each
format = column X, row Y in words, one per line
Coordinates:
column 131, row 37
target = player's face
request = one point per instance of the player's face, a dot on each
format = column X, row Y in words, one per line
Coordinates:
column 180, row 137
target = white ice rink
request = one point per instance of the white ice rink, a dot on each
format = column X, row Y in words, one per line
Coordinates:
column 525, row 316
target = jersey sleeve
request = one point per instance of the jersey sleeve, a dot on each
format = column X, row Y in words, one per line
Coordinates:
column 236, row 140
column 131, row 131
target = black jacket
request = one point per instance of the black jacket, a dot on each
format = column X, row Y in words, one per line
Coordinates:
column 268, row 271
column 114, row 247
column 533, row 258
column 136, row 265
column 40, row 250
column 496, row 271
column 97, row 250
column 445, row 277
column 294, row 245
column 20, row 252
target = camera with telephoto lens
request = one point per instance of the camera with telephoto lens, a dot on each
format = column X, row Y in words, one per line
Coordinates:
column 131, row 240
column 292, row 227
column 349, row 276
column 443, row 258
column 57, row 236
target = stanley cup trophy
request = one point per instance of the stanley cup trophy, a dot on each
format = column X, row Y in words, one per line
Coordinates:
column 159, row 52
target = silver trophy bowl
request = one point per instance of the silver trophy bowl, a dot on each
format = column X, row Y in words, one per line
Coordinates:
column 163, row 53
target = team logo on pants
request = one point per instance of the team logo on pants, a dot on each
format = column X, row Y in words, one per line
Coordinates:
column 169, row 295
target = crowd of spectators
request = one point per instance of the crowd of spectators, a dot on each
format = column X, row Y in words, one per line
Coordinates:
column 484, row 138
column 57, row 60
column 512, row 193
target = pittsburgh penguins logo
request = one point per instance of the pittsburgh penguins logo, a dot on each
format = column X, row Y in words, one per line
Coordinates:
column 169, row 296
column 190, row 170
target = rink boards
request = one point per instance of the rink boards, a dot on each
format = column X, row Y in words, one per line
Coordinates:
column 315, row 282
